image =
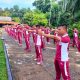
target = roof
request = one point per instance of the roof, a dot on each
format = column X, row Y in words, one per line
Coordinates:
column 8, row 22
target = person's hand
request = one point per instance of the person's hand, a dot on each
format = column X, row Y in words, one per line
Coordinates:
column 30, row 30
column 52, row 29
column 56, row 30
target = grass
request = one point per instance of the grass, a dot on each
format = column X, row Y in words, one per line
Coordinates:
column 3, row 69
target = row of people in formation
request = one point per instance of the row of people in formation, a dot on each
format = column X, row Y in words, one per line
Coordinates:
column 39, row 33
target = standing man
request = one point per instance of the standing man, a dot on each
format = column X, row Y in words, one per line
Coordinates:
column 75, row 37
column 26, row 38
column 38, row 44
column 48, row 32
column 61, row 61
column 19, row 32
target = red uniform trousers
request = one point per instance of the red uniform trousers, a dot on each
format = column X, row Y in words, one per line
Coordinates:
column 75, row 41
column 62, row 68
column 43, row 43
column 48, row 39
column 27, row 42
column 55, row 41
column 39, row 56
column 33, row 37
column 79, row 45
column 20, row 37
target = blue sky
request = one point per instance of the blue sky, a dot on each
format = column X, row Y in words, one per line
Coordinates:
column 20, row 3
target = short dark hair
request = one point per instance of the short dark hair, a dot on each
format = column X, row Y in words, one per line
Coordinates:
column 63, row 25
column 38, row 26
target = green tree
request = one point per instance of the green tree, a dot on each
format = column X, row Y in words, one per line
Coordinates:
column 16, row 19
column 40, row 18
column 6, row 13
column 42, row 5
column 35, row 17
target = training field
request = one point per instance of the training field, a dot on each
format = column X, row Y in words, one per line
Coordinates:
column 24, row 67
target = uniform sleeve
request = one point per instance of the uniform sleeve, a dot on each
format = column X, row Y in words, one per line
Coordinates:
column 65, row 39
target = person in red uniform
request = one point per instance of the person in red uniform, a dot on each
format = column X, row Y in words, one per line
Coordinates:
column 78, row 46
column 11, row 32
column 15, row 32
column 61, row 61
column 19, row 33
column 76, row 40
column 26, row 37
column 48, row 32
column 38, row 43
column 75, row 37
column 33, row 33
column 43, row 38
